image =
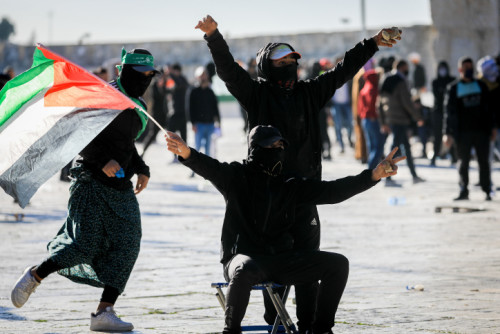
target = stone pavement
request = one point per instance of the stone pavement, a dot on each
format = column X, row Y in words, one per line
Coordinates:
column 392, row 236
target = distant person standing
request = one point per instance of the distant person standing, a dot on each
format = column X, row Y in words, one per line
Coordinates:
column 488, row 72
column 157, row 103
column 252, row 71
column 419, row 77
column 470, row 123
column 325, row 117
column 342, row 113
column 358, row 81
column 177, row 120
column 397, row 112
column 439, row 86
column 367, row 111
column 203, row 110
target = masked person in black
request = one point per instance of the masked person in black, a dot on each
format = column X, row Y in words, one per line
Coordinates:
column 257, row 233
column 439, row 86
column 279, row 99
column 99, row 242
column 470, row 124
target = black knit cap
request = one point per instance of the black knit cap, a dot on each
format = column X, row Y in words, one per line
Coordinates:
column 264, row 135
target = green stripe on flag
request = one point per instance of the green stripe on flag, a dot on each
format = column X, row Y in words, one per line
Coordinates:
column 25, row 86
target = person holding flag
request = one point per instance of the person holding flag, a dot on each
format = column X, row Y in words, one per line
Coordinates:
column 99, row 242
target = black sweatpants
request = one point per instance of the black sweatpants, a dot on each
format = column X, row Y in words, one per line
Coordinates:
column 293, row 268
column 481, row 143
column 307, row 237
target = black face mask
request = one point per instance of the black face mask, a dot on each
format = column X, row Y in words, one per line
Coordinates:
column 285, row 76
column 268, row 160
column 135, row 83
column 405, row 73
column 469, row 74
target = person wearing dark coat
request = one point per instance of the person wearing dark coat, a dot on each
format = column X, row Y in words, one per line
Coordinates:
column 278, row 98
column 177, row 121
column 99, row 242
column 470, row 124
column 261, row 211
column 159, row 107
column 439, row 86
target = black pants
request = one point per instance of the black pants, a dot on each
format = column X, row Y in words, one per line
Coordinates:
column 481, row 143
column 150, row 136
column 307, row 237
column 48, row 266
column 293, row 268
column 176, row 123
column 400, row 133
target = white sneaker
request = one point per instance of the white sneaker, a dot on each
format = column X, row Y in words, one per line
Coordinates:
column 107, row 320
column 24, row 287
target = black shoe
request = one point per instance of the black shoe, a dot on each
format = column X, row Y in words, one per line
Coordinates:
column 417, row 179
column 390, row 183
column 488, row 197
column 464, row 195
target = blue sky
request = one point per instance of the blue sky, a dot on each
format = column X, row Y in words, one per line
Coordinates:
column 68, row 21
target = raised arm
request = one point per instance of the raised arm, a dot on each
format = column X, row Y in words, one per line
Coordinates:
column 354, row 59
column 218, row 173
column 331, row 192
column 238, row 81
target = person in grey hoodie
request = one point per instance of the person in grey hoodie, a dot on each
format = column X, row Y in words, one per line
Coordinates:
column 396, row 113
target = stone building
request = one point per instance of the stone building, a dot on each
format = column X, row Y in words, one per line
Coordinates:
column 460, row 27
column 465, row 27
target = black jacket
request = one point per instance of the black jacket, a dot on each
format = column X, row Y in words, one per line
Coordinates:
column 466, row 108
column 295, row 114
column 203, row 106
column 179, row 96
column 439, row 86
column 116, row 142
column 260, row 209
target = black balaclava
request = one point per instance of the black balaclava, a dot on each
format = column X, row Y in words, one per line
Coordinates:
column 285, row 76
column 469, row 74
column 134, row 82
column 262, row 157
column 268, row 160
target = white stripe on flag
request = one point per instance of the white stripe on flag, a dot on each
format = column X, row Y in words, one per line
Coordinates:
column 32, row 122
column 52, row 151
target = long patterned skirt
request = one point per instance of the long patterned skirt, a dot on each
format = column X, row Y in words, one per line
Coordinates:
column 100, row 240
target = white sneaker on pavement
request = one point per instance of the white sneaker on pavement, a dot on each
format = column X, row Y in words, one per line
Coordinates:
column 23, row 288
column 107, row 320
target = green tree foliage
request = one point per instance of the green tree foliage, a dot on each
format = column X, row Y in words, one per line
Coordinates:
column 6, row 29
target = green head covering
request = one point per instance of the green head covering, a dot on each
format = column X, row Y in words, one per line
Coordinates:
column 139, row 61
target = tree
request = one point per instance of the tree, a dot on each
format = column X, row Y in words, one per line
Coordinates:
column 6, row 29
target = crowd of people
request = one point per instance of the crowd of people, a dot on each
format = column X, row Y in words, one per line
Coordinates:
column 271, row 228
column 385, row 100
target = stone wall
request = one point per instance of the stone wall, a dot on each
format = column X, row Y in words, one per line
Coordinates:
column 465, row 27
column 191, row 54
column 460, row 27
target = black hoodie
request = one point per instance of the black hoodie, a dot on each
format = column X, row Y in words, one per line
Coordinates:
column 439, row 87
column 260, row 209
column 294, row 113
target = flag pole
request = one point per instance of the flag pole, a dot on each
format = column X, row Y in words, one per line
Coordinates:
column 157, row 124
column 154, row 121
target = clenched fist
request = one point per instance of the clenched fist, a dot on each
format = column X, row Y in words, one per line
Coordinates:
column 207, row 25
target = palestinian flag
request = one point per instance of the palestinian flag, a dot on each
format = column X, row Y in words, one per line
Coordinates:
column 48, row 114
